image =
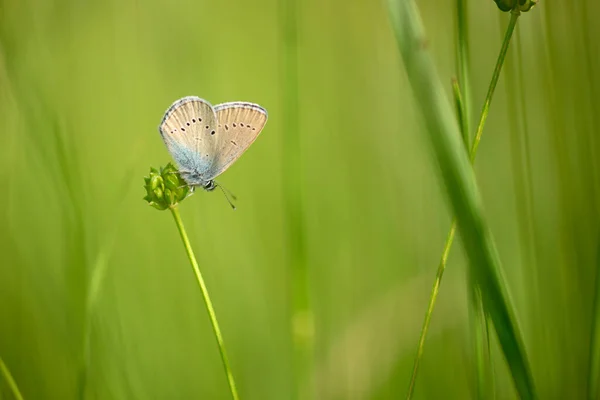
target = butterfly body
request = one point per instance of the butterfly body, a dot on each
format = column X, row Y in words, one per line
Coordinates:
column 205, row 140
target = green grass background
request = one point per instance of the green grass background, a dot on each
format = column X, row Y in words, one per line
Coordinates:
column 83, row 86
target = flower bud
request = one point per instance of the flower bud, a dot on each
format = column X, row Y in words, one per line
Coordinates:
column 165, row 188
column 520, row 5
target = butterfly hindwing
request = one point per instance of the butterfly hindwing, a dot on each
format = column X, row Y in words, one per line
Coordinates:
column 239, row 124
column 189, row 130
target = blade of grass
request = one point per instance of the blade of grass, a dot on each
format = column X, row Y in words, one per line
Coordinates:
column 594, row 363
column 522, row 171
column 300, row 303
column 514, row 15
column 462, row 61
column 12, row 384
column 462, row 110
column 97, row 273
column 207, row 302
column 432, row 300
column 478, row 320
column 481, row 343
column 445, row 140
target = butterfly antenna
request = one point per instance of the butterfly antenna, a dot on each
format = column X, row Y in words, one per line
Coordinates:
column 225, row 193
column 233, row 196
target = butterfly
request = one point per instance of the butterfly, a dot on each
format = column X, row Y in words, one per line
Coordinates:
column 204, row 140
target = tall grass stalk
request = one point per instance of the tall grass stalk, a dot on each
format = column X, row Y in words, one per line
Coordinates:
column 463, row 68
column 594, row 363
column 481, row 342
column 478, row 320
column 593, row 389
column 463, row 118
column 12, row 384
column 590, row 51
column 458, row 177
column 301, row 313
column 207, row 301
column 429, row 313
column 522, row 170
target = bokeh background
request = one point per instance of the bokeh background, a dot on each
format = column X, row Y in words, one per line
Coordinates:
column 341, row 215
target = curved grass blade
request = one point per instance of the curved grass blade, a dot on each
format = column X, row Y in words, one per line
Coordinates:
column 594, row 363
column 447, row 144
column 5, row 372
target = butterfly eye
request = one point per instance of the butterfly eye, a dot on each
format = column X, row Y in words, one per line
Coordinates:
column 226, row 127
column 212, row 132
column 242, row 125
column 194, row 120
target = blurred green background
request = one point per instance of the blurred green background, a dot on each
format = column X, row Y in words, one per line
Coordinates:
column 97, row 298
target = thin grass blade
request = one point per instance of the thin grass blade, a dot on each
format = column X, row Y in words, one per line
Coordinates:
column 463, row 195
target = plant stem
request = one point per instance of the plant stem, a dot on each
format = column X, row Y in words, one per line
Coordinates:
column 481, row 343
column 207, row 302
column 460, row 111
column 432, row 299
column 300, row 306
column 514, row 15
column 473, row 152
column 462, row 56
column 10, row 380
column 594, row 362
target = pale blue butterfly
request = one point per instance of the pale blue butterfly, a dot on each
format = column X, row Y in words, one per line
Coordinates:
column 205, row 140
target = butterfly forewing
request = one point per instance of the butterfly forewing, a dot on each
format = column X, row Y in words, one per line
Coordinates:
column 189, row 130
column 239, row 124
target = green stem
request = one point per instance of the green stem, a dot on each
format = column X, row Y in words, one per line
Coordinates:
column 514, row 15
column 594, row 362
column 207, row 302
column 10, row 380
column 462, row 56
column 461, row 112
column 481, row 343
column 432, row 299
column 301, row 315
column 473, row 152
column 488, row 350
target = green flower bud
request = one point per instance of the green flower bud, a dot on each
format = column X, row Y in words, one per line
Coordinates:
column 527, row 5
column 165, row 188
column 506, row 5
column 520, row 5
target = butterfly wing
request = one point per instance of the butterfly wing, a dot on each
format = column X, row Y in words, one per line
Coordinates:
column 239, row 124
column 188, row 129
